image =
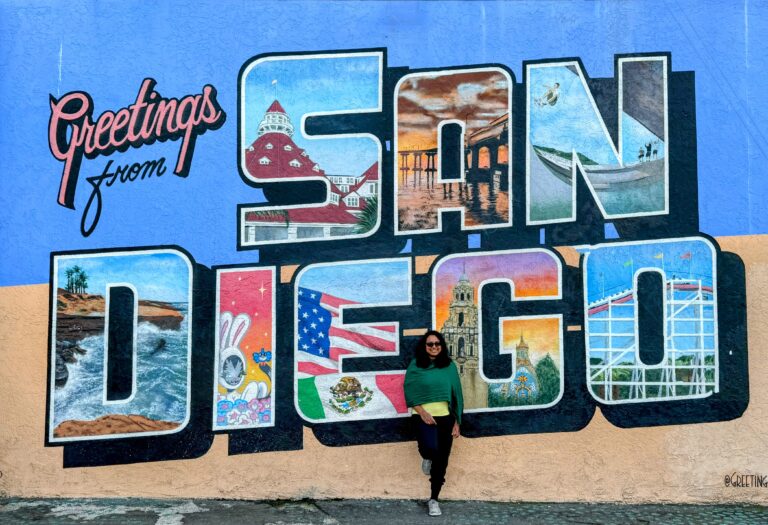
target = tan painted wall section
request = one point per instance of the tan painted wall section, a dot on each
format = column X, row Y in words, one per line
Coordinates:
column 682, row 463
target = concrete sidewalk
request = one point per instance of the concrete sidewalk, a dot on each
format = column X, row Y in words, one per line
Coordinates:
column 362, row 512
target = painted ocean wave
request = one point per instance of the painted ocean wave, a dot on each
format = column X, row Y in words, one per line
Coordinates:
column 161, row 378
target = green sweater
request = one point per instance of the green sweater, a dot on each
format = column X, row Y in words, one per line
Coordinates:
column 432, row 384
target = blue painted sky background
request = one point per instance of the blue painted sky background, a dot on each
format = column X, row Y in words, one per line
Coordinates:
column 107, row 48
column 573, row 123
column 156, row 276
column 369, row 282
column 610, row 271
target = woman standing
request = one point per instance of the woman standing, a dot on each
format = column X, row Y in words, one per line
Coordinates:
column 433, row 392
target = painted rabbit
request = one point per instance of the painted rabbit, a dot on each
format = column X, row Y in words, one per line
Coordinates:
column 233, row 365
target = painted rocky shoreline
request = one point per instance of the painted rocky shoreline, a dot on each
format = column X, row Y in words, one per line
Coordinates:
column 81, row 315
column 112, row 424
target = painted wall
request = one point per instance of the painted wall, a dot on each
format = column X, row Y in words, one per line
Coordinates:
column 228, row 229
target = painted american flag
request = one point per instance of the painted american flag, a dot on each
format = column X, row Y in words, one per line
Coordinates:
column 322, row 340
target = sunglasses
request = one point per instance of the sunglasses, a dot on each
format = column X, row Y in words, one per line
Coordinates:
column 431, row 343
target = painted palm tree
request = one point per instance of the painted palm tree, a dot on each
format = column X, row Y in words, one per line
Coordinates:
column 77, row 279
column 369, row 216
column 69, row 272
column 83, row 282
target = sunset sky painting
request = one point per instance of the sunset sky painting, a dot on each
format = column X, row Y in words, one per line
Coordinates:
column 541, row 333
column 479, row 100
column 535, row 273
column 475, row 98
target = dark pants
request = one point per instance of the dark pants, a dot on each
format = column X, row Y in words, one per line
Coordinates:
column 435, row 444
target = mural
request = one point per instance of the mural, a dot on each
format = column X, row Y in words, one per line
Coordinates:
column 479, row 102
column 688, row 368
column 245, row 348
column 73, row 134
column 323, row 341
column 538, row 378
column 278, row 91
column 567, row 134
column 158, row 385
column 348, row 253
column 458, row 282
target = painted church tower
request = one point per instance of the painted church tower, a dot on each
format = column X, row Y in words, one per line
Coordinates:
column 461, row 336
column 525, row 384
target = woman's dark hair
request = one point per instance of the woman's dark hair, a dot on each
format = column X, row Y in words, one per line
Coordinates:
column 422, row 358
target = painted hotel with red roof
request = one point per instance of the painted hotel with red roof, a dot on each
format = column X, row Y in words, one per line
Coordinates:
column 274, row 156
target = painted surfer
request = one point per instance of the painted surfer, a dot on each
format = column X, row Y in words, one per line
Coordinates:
column 550, row 96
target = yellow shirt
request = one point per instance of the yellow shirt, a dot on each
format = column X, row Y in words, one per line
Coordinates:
column 438, row 408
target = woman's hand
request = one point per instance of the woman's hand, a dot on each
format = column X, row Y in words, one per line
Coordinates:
column 426, row 417
column 455, row 433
